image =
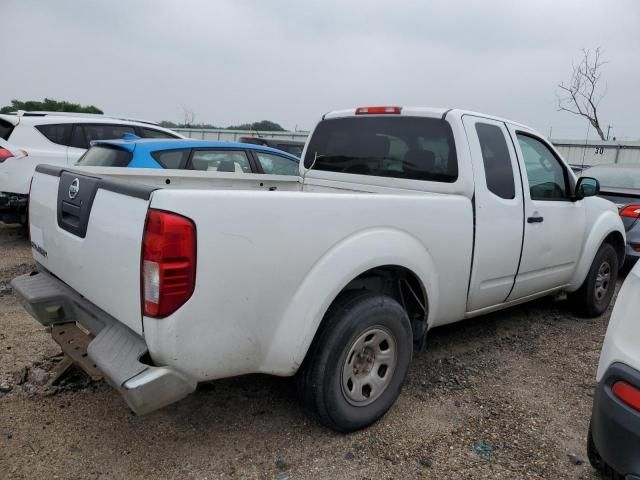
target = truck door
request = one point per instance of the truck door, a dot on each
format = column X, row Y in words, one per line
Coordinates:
column 498, row 204
column 554, row 224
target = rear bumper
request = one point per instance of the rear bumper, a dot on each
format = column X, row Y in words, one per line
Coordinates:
column 615, row 426
column 631, row 254
column 116, row 350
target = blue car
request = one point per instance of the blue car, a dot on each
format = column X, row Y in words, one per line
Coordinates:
column 187, row 154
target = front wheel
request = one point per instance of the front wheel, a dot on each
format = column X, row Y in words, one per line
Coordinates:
column 594, row 296
column 358, row 362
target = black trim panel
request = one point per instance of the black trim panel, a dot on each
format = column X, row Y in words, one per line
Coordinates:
column 49, row 169
column 129, row 189
column 124, row 188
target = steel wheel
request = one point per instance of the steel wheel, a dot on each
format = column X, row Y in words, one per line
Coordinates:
column 369, row 366
column 603, row 280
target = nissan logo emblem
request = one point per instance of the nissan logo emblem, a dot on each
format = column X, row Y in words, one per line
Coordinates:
column 74, row 188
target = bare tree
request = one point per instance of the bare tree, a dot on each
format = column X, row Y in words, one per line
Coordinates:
column 189, row 116
column 583, row 93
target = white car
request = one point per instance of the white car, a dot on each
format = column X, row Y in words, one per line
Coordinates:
column 54, row 138
column 614, row 433
column 402, row 219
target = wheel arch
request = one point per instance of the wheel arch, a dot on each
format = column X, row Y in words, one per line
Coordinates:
column 375, row 260
column 607, row 228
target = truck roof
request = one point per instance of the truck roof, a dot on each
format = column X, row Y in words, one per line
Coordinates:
column 424, row 111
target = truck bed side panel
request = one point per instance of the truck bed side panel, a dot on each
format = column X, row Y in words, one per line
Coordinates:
column 256, row 249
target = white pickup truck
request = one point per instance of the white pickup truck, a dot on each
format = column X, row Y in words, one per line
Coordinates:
column 402, row 219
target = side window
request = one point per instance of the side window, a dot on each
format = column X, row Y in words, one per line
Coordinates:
column 175, row 159
column 151, row 133
column 84, row 134
column 497, row 161
column 277, row 165
column 547, row 177
column 220, row 161
column 292, row 149
column 56, row 133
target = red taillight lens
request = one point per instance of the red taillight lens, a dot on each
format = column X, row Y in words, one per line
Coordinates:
column 627, row 394
column 632, row 211
column 378, row 110
column 168, row 262
column 4, row 154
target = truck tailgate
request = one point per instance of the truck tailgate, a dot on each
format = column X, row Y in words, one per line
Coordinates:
column 87, row 231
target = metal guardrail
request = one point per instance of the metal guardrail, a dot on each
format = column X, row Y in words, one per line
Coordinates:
column 224, row 135
column 598, row 152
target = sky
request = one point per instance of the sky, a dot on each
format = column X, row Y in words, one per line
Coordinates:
column 290, row 61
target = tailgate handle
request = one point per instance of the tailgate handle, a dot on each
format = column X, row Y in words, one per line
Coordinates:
column 70, row 213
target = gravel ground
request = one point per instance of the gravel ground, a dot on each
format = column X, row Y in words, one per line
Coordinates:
column 506, row 396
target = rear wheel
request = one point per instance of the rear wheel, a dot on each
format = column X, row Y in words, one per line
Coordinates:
column 594, row 296
column 358, row 362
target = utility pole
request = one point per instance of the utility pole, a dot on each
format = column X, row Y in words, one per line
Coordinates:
column 608, row 130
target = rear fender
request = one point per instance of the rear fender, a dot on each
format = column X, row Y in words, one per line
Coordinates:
column 351, row 257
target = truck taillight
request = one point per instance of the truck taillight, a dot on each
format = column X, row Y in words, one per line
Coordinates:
column 632, row 211
column 168, row 262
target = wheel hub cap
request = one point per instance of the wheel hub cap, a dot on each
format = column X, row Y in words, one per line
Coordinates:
column 369, row 366
column 603, row 279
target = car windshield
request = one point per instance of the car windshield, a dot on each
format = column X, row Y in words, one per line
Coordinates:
column 615, row 177
column 103, row 156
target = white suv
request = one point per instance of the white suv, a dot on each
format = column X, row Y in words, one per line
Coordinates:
column 55, row 138
column 614, row 433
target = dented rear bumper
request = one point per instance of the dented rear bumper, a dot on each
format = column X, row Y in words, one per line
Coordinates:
column 115, row 349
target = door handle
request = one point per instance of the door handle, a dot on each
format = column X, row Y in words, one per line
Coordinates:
column 535, row 219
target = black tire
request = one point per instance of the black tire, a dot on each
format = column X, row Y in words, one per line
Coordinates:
column 348, row 323
column 592, row 452
column 589, row 300
column 606, row 472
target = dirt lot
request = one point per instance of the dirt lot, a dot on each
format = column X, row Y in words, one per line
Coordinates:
column 504, row 396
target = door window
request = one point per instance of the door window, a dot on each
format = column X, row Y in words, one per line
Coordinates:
column 171, row 158
column 58, row 133
column 547, row 177
column 277, row 165
column 84, row 134
column 221, row 161
column 152, row 133
column 497, row 161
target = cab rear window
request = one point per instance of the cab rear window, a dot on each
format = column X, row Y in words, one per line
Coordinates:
column 400, row 146
column 103, row 156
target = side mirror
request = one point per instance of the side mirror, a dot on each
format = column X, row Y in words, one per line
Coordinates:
column 587, row 187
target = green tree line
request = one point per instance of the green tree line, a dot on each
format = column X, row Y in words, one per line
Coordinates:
column 51, row 105
column 261, row 126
